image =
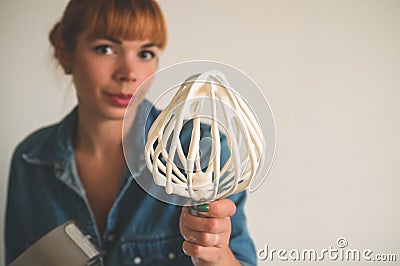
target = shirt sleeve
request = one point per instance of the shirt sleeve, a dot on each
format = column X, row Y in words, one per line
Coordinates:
column 13, row 224
column 240, row 242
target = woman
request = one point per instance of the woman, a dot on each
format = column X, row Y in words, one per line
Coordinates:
column 75, row 170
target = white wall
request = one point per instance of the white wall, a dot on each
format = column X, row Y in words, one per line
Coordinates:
column 331, row 72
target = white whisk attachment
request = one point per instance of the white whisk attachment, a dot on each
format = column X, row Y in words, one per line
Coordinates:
column 207, row 143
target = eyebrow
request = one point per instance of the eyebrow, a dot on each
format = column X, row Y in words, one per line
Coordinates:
column 146, row 45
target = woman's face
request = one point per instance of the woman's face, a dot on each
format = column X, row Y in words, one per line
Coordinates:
column 107, row 72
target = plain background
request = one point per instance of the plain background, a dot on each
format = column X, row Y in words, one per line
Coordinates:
column 331, row 72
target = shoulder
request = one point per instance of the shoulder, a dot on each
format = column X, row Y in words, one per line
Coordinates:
column 33, row 142
column 35, row 139
column 44, row 145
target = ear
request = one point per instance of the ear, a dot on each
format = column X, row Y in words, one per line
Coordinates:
column 64, row 57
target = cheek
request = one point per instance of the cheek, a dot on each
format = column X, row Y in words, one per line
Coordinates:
column 147, row 71
column 142, row 91
column 89, row 70
column 144, row 87
column 88, row 75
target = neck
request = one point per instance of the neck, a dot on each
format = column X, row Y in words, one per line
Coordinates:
column 98, row 136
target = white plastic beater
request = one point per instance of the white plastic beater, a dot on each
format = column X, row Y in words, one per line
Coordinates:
column 184, row 175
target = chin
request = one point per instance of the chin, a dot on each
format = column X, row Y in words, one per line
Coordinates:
column 114, row 114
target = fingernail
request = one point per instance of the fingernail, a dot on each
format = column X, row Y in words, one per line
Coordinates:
column 184, row 251
column 203, row 207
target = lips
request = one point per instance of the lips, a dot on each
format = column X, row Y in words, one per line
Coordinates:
column 119, row 99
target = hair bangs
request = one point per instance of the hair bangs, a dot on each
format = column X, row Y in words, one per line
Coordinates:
column 130, row 20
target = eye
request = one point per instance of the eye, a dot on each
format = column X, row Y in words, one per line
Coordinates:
column 147, row 55
column 104, row 49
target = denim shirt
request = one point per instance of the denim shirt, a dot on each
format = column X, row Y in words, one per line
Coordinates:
column 45, row 191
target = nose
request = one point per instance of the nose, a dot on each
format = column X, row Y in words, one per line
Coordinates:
column 126, row 71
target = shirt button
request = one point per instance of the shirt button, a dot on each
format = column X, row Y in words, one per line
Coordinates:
column 137, row 260
column 171, row 255
column 110, row 238
column 57, row 166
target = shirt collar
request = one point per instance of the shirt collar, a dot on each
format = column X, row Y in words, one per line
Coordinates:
column 56, row 149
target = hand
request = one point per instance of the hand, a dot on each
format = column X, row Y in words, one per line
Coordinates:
column 207, row 238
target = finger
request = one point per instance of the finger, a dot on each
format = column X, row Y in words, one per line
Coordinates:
column 204, row 254
column 205, row 224
column 220, row 209
column 205, row 239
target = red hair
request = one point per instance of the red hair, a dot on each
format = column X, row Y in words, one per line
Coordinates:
column 124, row 19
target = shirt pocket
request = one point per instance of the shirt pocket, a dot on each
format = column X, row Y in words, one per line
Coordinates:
column 154, row 251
